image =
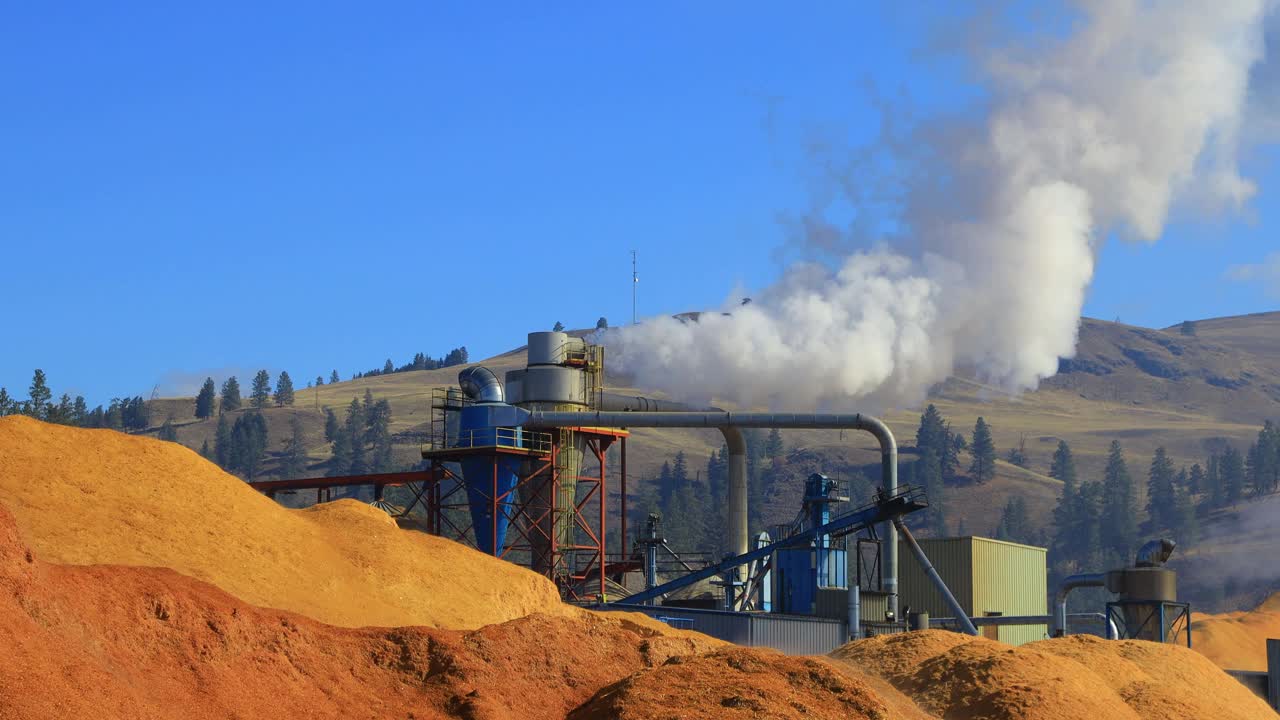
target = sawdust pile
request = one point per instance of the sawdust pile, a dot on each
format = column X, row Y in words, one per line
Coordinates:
column 956, row 676
column 749, row 683
column 140, row 643
column 1238, row 640
column 97, row 496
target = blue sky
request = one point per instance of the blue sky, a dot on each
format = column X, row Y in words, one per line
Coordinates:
column 202, row 190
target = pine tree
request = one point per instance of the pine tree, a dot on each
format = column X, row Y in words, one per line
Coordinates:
column 340, row 462
column 331, row 427
column 249, row 440
column 230, row 395
column 983, row 450
column 1015, row 523
column 168, row 431
column 773, row 446
column 935, row 434
column 205, row 452
column 333, row 377
column 135, row 414
column 113, row 418
column 205, row 399
column 666, row 485
column 1264, row 460
column 1119, row 505
column 319, row 380
column 256, row 445
column 38, row 405
column 1160, row 491
column 1195, row 480
column 61, row 411
column 928, row 474
column 1231, row 468
column 1215, row 495
column 284, row 390
column 6, row 403
column 354, row 430
column 602, row 323
column 222, row 450
column 1063, row 468
column 294, row 460
column 378, row 436
column 261, row 393
column 559, row 327
column 79, row 411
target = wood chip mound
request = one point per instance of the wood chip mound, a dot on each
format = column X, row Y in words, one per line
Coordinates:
column 85, row 497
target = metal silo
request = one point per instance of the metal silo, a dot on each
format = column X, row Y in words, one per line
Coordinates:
column 563, row 375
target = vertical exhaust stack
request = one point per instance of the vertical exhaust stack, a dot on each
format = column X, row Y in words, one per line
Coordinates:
column 563, row 374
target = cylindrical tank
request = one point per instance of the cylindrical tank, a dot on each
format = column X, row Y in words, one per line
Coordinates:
column 554, row 348
column 553, row 382
column 1143, row 592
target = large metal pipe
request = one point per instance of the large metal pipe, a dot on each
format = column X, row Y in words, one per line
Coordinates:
column 480, row 384
column 1069, row 584
column 729, row 423
column 962, row 617
column 1003, row 620
column 855, row 609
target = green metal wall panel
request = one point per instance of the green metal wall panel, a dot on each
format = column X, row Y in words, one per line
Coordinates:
column 986, row 576
column 1009, row 578
column 953, row 559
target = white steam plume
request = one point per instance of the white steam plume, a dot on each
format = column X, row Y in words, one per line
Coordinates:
column 1140, row 106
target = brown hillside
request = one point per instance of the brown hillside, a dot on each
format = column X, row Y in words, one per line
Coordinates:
column 1144, row 387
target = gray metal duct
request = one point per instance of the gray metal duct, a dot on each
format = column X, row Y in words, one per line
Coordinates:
column 1069, row 584
column 729, row 423
column 1155, row 553
column 480, row 384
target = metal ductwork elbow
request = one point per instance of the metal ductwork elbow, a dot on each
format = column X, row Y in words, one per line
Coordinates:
column 1155, row 553
column 481, row 385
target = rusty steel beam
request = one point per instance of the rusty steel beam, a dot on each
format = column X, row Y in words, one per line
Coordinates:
column 376, row 479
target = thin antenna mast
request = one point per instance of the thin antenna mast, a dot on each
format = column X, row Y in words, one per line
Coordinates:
column 635, row 280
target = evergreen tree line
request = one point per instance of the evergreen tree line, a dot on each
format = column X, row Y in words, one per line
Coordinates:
column 361, row 442
column 120, row 414
column 210, row 400
column 421, row 361
column 240, row 447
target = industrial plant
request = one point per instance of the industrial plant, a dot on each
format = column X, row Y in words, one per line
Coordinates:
column 517, row 467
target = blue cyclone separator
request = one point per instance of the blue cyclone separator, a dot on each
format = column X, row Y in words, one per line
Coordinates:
column 488, row 425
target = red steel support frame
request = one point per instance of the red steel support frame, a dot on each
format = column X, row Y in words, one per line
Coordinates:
column 443, row 493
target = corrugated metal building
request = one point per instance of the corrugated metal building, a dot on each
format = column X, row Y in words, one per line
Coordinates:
column 791, row 634
column 988, row 577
